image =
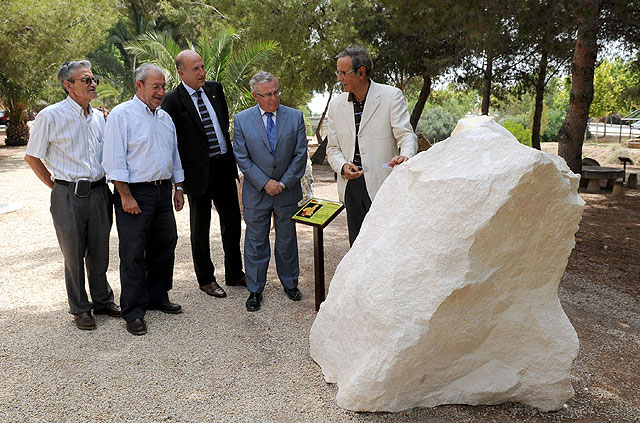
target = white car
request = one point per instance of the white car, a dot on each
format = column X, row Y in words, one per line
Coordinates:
column 636, row 124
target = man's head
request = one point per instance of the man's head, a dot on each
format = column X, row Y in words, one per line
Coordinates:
column 266, row 91
column 150, row 85
column 191, row 68
column 77, row 80
column 353, row 68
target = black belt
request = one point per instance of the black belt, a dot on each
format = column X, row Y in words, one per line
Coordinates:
column 95, row 184
column 151, row 183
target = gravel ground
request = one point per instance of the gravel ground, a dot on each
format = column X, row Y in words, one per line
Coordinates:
column 214, row 362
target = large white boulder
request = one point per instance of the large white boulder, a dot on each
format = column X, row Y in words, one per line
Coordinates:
column 449, row 294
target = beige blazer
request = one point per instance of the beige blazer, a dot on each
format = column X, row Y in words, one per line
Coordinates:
column 385, row 132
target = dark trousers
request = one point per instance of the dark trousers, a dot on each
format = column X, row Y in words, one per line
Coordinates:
column 147, row 248
column 82, row 227
column 357, row 203
column 223, row 191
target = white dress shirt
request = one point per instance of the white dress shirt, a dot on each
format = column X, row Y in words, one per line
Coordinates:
column 68, row 143
column 212, row 113
column 140, row 145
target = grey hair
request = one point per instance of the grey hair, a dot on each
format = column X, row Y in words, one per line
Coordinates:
column 65, row 73
column 140, row 74
column 359, row 58
column 259, row 78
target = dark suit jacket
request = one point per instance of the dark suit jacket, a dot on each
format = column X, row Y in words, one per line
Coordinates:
column 192, row 140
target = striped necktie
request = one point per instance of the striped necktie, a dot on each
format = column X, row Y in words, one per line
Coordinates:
column 271, row 131
column 214, row 146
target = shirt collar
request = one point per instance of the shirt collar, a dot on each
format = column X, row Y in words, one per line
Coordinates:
column 262, row 112
column 352, row 98
column 190, row 90
column 78, row 108
column 140, row 104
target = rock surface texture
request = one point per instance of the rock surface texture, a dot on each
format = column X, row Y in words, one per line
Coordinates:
column 449, row 294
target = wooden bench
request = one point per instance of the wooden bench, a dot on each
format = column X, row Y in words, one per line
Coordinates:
column 593, row 174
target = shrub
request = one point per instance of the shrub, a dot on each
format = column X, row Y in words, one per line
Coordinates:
column 556, row 117
column 436, row 123
column 518, row 131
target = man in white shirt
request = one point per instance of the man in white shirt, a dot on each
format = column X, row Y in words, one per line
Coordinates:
column 65, row 151
column 141, row 158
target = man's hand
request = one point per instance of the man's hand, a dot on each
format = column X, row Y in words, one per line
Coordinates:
column 397, row 160
column 129, row 204
column 178, row 200
column 272, row 187
column 351, row 171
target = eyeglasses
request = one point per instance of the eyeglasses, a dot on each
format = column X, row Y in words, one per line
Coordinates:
column 276, row 93
column 343, row 73
column 87, row 80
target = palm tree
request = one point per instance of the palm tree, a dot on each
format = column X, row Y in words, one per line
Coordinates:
column 232, row 68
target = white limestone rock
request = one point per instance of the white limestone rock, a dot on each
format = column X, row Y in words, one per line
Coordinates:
column 449, row 294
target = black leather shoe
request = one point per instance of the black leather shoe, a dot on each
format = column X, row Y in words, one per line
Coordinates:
column 254, row 300
column 236, row 282
column 84, row 320
column 168, row 307
column 294, row 294
column 137, row 327
column 110, row 310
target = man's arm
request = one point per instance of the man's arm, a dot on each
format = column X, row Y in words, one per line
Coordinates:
column 178, row 197
column 252, row 173
column 129, row 204
column 298, row 163
column 39, row 169
column 402, row 130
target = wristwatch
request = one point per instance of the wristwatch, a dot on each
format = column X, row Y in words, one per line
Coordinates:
column 179, row 188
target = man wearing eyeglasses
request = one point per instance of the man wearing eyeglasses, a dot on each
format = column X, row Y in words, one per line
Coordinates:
column 141, row 158
column 199, row 111
column 369, row 133
column 271, row 151
column 65, row 152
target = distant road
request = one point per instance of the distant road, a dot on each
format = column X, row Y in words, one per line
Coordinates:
column 613, row 130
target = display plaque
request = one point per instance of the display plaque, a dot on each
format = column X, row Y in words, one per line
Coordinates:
column 318, row 212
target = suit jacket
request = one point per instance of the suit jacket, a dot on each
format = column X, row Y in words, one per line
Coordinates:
column 192, row 140
column 385, row 131
column 285, row 164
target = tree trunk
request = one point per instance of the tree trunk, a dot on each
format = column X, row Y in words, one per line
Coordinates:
column 486, row 88
column 582, row 70
column 18, row 130
column 422, row 100
column 319, row 155
column 537, row 113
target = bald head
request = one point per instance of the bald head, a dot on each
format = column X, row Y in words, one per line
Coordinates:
column 191, row 68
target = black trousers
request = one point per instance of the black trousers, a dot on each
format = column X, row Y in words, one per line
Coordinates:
column 223, row 192
column 357, row 203
column 147, row 248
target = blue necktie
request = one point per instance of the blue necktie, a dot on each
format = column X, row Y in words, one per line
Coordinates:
column 271, row 131
column 214, row 146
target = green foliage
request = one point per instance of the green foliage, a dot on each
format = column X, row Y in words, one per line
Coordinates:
column 36, row 37
column 555, row 119
column 517, row 129
column 614, row 84
column 436, row 123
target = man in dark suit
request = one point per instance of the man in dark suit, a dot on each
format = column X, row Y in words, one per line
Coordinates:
column 199, row 111
column 271, row 151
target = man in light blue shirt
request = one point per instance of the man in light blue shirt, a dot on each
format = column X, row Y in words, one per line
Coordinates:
column 64, row 151
column 141, row 159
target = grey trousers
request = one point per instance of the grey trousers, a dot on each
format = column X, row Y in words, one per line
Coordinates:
column 82, row 226
column 257, row 248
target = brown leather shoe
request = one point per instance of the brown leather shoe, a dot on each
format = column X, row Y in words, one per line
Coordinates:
column 236, row 282
column 111, row 309
column 84, row 320
column 214, row 290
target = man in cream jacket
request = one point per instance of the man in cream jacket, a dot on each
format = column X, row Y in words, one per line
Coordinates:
column 369, row 134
